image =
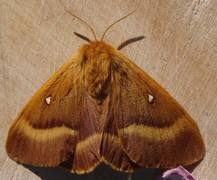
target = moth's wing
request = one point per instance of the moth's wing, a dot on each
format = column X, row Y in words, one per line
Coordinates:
column 155, row 131
column 47, row 130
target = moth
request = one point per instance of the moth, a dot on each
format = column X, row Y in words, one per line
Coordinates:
column 101, row 107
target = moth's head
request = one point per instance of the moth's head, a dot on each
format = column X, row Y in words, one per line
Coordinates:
column 97, row 49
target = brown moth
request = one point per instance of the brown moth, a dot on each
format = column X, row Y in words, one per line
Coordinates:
column 101, row 107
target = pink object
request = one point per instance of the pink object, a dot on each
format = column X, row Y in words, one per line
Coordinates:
column 179, row 173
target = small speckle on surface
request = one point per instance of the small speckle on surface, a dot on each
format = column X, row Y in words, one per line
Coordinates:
column 150, row 98
column 48, row 100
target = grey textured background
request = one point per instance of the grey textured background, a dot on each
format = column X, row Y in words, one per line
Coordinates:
column 179, row 51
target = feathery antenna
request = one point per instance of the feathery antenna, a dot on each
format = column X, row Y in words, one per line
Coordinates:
column 115, row 23
column 92, row 28
column 84, row 23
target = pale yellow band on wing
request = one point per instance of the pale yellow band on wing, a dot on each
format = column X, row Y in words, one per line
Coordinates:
column 94, row 138
column 155, row 133
column 42, row 135
column 86, row 142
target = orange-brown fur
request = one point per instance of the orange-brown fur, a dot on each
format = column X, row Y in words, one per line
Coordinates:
column 100, row 110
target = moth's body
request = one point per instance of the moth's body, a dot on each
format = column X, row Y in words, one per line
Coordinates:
column 102, row 107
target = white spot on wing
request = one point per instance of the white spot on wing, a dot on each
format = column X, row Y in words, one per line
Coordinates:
column 48, row 100
column 150, row 98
